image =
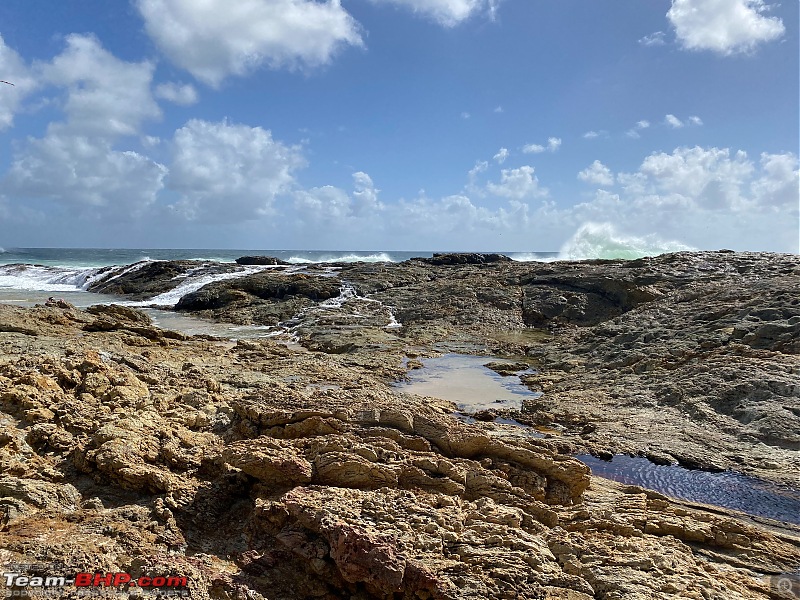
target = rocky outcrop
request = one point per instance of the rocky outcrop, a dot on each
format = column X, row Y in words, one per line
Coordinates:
column 258, row 471
column 260, row 260
column 148, row 279
column 464, row 258
column 691, row 356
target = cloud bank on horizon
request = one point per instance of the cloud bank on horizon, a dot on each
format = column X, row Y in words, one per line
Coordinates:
column 398, row 124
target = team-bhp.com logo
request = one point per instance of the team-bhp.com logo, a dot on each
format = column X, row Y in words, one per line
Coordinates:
column 18, row 584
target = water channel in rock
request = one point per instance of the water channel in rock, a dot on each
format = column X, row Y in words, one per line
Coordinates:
column 464, row 380
column 726, row 489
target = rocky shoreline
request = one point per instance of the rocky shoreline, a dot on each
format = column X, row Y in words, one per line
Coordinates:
column 261, row 470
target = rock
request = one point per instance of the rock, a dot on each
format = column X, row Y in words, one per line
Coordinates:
column 504, row 368
column 259, row 470
column 121, row 314
column 464, row 258
column 260, row 260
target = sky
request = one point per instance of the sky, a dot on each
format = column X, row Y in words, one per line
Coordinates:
column 502, row 125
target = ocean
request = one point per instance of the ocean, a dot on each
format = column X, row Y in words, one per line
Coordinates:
column 31, row 275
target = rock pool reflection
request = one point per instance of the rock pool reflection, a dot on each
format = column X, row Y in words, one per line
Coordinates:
column 727, row 489
column 463, row 379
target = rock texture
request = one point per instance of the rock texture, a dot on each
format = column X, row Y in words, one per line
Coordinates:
column 688, row 357
column 259, row 470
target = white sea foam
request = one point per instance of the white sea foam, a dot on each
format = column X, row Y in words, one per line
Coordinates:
column 46, row 279
column 601, row 240
column 129, row 269
column 192, row 284
column 346, row 258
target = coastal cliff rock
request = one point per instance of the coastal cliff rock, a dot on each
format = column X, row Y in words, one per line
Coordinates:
column 260, row 471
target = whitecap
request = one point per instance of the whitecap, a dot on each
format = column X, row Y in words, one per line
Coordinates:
column 46, row 279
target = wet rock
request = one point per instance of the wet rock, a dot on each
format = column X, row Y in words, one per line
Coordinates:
column 464, row 258
column 260, row 260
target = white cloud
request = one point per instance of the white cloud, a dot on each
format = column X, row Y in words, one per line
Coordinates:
column 333, row 209
column 324, row 205
column 654, row 39
column 590, row 135
column 634, row 133
column 708, row 178
column 501, row 156
column 214, row 39
column 365, row 195
column 723, row 26
column 533, row 148
column 695, row 121
column 553, row 144
column 447, row 12
column 107, row 97
column 517, row 184
column 182, row 94
column 673, row 121
column 597, row 174
column 708, row 197
column 498, row 109
column 76, row 163
column 86, row 174
column 779, row 182
column 229, row 173
column 465, row 115
column 15, row 71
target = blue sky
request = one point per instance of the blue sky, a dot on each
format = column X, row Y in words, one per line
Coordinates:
column 398, row 124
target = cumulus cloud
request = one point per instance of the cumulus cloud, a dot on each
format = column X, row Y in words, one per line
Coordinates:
column 14, row 70
column 365, row 195
column 590, row 135
column 76, row 163
column 517, row 184
column 106, row 96
column 723, row 26
column 673, row 121
column 447, row 12
column 86, row 175
column 215, row 39
column 553, row 144
column 597, row 174
column 229, row 173
column 182, row 94
column 501, row 156
column 779, row 182
column 695, row 120
column 709, row 197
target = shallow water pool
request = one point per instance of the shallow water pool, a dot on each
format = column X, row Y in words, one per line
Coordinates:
column 463, row 379
column 726, row 489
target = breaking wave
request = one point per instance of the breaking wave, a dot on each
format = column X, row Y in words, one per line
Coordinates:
column 47, row 279
column 602, row 241
column 345, row 258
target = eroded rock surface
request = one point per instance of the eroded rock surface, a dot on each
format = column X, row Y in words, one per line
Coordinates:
column 261, row 471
